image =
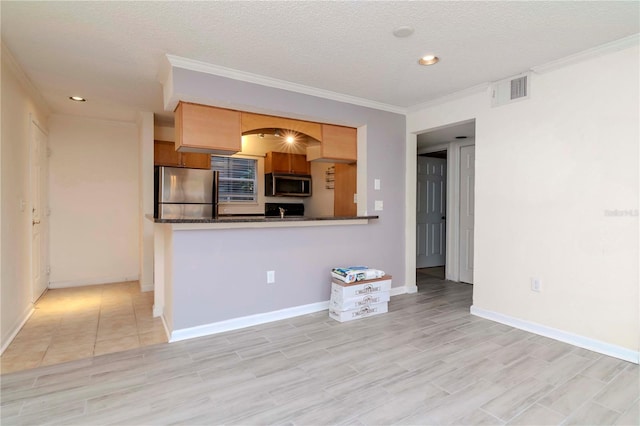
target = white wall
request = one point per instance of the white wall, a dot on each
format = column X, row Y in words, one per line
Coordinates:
column 95, row 208
column 548, row 170
column 19, row 101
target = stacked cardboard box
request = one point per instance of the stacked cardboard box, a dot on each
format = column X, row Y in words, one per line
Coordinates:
column 360, row 299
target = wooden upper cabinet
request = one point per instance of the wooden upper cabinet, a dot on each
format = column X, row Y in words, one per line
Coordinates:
column 339, row 144
column 196, row 160
column 299, row 165
column 165, row 154
column 283, row 162
column 201, row 128
column 257, row 121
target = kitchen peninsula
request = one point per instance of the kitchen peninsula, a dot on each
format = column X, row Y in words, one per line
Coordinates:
column 203, row 282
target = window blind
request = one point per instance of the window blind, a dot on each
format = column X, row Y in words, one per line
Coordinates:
column 237, row 178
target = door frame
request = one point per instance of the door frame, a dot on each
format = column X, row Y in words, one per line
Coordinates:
column 452, row 258
column 44, row 205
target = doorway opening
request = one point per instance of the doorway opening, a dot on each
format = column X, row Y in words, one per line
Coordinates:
column 445, row 203
column 431, row 212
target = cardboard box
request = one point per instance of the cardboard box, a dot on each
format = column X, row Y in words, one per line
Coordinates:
column 343, row 291
column 339, row 304
column 364, row 312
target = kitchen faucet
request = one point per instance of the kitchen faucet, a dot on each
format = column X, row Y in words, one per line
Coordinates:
column 281, row 212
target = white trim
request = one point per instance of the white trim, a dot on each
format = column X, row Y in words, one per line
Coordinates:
column 16, row 329
column 93, row 281
column 411, row 288
column 204, row 67
column 166, row 328
column 483, row 87
column 594, row 52
column 14, row 65
column 146, row 287
column 248, row 321
column 158, row 311
column 396, row 291
column 561, row 335
column 410, row 217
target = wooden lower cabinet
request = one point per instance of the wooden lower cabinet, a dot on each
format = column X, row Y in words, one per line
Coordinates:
column 165, row 154
column 345, row 187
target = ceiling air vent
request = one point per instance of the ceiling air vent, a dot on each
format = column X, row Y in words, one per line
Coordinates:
column 510, row 90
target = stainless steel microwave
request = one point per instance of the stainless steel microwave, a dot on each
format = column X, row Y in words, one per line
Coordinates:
column 287, row 185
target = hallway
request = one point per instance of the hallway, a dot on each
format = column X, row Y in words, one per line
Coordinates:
column 82, row 322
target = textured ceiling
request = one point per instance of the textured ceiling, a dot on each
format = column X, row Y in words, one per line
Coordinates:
column 111, row 52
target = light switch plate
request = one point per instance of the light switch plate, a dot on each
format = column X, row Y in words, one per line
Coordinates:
column 376, row 184
column 378, row 205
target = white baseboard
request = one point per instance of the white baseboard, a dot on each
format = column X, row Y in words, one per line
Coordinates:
column 411, row 288
column 157, row 310
column 242, row 322
column 563, row 336
column 167, row 332
column 17, row 327
column 396, row 291
column 146, row 287
column 257, row 319
column 93, row 281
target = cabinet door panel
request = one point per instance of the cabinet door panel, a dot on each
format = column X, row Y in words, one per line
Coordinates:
column 276, row 162
column 165, row 154
column 196, row 160
column 339, row 142
column 345, row 187
column 299, row 164
column 201, row 127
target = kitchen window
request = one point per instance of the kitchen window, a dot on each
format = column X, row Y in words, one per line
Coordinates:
column 238, row 179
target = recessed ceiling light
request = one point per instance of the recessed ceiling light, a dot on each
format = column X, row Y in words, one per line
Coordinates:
column 77, row 98
column 404, row 31
column 290, row 139
column 428, row 60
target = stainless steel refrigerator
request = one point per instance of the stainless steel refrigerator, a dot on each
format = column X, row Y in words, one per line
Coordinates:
column 182, row 193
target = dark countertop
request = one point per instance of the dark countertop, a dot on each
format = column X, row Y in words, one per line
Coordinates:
column 257, row 219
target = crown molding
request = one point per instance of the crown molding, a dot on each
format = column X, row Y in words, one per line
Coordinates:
column 614, row 46
column 483, row 87
column 7, row 57
column 204, row 67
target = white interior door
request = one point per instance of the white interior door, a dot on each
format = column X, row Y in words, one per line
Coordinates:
column 38, row 196
column 431, row 212
column 467, row 185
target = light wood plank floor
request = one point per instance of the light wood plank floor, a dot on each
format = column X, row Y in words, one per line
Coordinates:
column 428, row 361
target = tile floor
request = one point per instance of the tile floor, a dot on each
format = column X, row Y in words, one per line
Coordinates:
column 426, row 362
column 81, row 322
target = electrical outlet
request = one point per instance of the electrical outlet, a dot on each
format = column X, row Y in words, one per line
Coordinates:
column 378, row 205
column 536, row 285
column 271, row 277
